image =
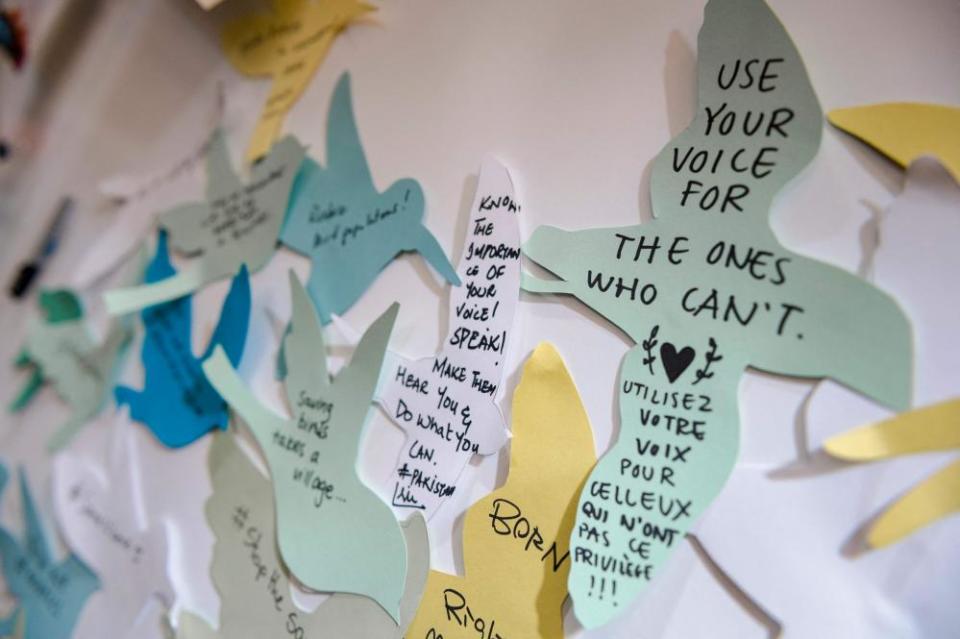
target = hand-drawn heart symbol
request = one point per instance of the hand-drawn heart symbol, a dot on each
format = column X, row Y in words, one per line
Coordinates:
column 674, row 363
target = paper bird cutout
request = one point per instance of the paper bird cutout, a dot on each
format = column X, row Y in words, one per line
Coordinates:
column 50, row 595
column 238, row 224
column 288, row 44
column 925, row 429
column 904, row 131
column 177, row 403
column 102, row 520
column 348, row 229
column 13, row 36
column 61, row 351
column 334, row 533
column 445, row 403
column 705, row 291
column 516, row 539
column 253, row 584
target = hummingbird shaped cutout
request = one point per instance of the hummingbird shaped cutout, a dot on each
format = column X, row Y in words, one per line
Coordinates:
column 333, row 532
column 704, row 291
column 177, row 402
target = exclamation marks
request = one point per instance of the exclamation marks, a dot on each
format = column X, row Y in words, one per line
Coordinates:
column 603, row 589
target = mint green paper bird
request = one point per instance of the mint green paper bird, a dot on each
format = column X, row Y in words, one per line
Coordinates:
column 705, row 291
column 333, row 532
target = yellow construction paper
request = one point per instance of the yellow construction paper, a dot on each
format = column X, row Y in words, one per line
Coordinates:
column 288, row 44
column 904, row 131
column 930, row 428
column 516, row 540
column 932, row 499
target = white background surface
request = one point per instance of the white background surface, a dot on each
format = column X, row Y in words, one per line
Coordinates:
column 576, row 98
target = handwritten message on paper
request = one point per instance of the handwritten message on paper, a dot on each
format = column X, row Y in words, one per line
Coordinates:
column 101, row 524
column 348, row 229
column 288, row 44
column 445, row 403
column 705, row 291
column 334, row 533
column 237, row 224
column 253, row 584
column 50, row 594
column 177, row 402
column 516, row 540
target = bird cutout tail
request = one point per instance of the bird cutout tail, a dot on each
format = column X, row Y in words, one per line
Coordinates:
column 516, row 540
column 904, row 131
column 933, row 499
column 426, row 244
column 121, row 301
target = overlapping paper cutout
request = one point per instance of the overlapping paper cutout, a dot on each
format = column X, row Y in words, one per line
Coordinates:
column 334, row 533
column 61, row 351
column 253, row 584
column 50, row 594
column 104, row 524
column 346, row 227
column 288, row 44
column 705, row 291
column 905, row 131
column 445, row 403
column 237, row 224
column 516, row 540
column 177, row 402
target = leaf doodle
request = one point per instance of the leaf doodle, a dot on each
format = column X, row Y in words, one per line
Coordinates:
column 349, row 231
column 177, row 402
column 516, row 540
column 334, row 533
column 710, row 266
column 237, row 224
column 49, row 594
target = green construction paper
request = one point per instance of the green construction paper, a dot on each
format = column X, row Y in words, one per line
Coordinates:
column 61, row 350
column 335, row 534
column 237, row 224
column 253, row 584
column 50, row 594
column 348, row 229
column 704, row 291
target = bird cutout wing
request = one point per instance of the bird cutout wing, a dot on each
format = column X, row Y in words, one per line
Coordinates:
column 238, row 224
column 348, row 229
column 516, row 540
column 445, row 403
column 706, row 290
column 61, row 351
column 177, row 402
column 50, row 594
column 101, row 518
column 254, row 587
column 288, row 44
column 334, row 533
column 905, row 131
column 931, row 428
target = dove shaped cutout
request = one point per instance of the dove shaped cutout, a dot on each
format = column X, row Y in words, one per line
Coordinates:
column 334, row 533
column 101, row 517
column 905, row 131
column 515, row 540
column 60, row 350
column 287, row 44
column 254, row 588
column 445, row 403
column 349, row 231
column 704, row 291
column 177, row 403
column 237, row 224
column 50, row 594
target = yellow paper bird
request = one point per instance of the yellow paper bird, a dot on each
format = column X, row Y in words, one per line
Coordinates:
column 926, row 429
column 288, row 44
column 516, row 540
